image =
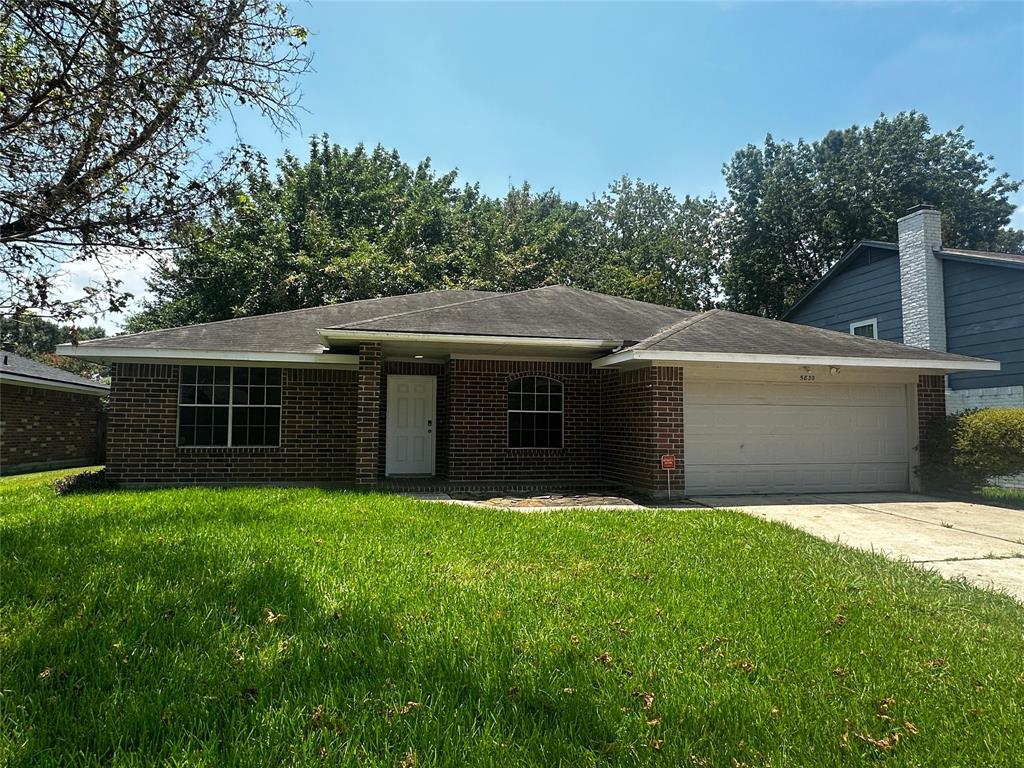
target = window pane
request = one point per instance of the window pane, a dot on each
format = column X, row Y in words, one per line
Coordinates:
column 274, row 376
column 542, row 402
column 240, row 417
column 220, row 435
column 273, row 395
column 515, row 401
column 221, row 375
column 272, row 437
column 257, row 375
column 221, row 395
column 256, row 395
column 186, row 434
column 241, row 395
column 241, row 375
column 188, row 374
column 204, row 374
column 238, row 434
column 204, row 394
column 188, row 394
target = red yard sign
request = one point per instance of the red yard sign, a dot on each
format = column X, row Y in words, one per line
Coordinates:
column 668, row 461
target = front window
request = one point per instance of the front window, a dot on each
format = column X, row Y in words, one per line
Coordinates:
column 222, row 406
column 866, row 328
column 535, row 413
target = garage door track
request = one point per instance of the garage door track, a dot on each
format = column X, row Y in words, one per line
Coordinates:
column 980, row 543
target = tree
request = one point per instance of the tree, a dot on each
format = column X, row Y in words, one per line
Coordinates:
column 649, row 245
column 357, row 224
column 795, row 208
column 103, row 105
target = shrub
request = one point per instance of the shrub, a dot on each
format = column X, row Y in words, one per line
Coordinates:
column 963, row 451
column 990, row 442
column 82, row 482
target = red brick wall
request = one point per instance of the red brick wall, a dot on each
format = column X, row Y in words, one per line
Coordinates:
column 931, row 403
column 642, row 419
column 46, row 428
column 478, row 451
column 318, row 418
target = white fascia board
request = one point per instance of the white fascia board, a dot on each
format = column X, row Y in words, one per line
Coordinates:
column 60, row 386
column 124, row 354
column 627, row 356
column 331, row 334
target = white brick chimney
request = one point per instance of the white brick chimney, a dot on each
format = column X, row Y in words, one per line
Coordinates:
column 924, row 302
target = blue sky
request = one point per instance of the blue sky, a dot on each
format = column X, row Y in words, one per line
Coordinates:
column 573, row 95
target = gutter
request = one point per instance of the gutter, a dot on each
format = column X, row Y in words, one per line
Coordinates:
column 946, row 366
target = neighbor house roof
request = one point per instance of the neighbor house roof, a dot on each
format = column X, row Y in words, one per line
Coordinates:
column 953, row 254
column 856, row 250
column 553, row 320
column 16, row 369
column 984, row 257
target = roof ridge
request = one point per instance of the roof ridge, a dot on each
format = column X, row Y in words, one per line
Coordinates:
column 442, row 306
column 675, row 328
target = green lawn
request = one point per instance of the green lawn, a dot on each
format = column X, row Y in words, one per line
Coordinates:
column 1007, row 497
column 308, row 627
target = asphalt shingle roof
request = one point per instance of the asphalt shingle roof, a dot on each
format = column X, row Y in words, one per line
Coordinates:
column 555, row 312
column 732, row 333
column 27, row 368
column 294, row 331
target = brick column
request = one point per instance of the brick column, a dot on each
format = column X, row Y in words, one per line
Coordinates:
column 666, row 430
column 931, row 403
column 368, row 413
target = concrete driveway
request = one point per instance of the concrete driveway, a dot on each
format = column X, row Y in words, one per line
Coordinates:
column 978, row 542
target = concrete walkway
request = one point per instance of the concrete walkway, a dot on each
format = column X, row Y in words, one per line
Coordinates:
column 978, row 542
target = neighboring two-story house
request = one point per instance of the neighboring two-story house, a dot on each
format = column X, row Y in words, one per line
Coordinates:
column 945, row 299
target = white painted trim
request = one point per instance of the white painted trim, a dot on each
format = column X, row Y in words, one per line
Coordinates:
column 872, row 323
column 628, row 356
column 178, row 356
column 60, row 386
column 331, row 334
column 523, row 358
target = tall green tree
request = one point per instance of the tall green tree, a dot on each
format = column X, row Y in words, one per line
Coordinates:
column 649, row 245
column 355, row 224
column 795, row 208
column 103, row 107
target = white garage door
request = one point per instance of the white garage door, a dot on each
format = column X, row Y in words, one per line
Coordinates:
column 743, row 437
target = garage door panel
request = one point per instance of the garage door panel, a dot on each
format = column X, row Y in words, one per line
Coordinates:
column 824, row 478
column 810, row 393
column 747, row 438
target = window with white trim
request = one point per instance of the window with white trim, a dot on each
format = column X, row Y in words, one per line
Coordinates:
column 866, row 328
column 222, row 406
column 535, row 413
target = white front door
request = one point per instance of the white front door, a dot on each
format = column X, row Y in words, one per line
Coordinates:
column 411, row 417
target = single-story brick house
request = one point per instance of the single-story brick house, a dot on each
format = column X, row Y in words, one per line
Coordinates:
column 49, row 418
column 547, row 388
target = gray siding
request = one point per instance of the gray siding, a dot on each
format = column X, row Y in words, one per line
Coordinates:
column 985, row 318
column 869, row 286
